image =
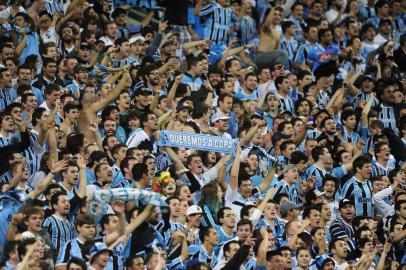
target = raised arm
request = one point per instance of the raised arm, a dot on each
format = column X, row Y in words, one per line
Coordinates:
column 18, row 176
column 147, row 19
column 172, row 92
column 263, row 248
column 172, row 155
column 21, row 46
column 125, row 82
column 53, row 148
column 252, row 132
column 384, row 254
column 235, row 169
column 268, row 178
column 119, row 209
column 139, row 219
column 43, row 184
column 366, row 110
column 154, row 102
column 82, row 177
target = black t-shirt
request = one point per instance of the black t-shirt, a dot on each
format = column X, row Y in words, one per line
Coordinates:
column 176, row 11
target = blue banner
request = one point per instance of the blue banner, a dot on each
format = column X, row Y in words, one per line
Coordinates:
column 197, row 141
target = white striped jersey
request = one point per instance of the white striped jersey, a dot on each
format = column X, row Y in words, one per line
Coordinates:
column 361, row 194
column 4, row 141
column 218, row 20
column 60, row 231
column 54, row 6
column 33, row 153
column 286, row 104
column 388, row 116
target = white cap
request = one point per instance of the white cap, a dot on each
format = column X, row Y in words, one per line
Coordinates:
column 136, row 38
column 219, row 116
column 194, row 209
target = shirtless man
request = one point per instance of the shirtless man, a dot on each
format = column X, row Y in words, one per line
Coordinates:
column 88, row 114
column 269, row 52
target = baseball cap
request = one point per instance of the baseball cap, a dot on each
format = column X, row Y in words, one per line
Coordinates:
column 193, row 210
column 84, row 45
column 117, row 12
column 97, row 249
column 287, row 206
column 313, row 194
column 143, row 91
column 367, row 77
column 219, row 116
column 137, row 38
column 344, row 202
column 182, row 106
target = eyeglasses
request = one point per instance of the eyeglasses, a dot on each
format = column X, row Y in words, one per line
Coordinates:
column 279, row 67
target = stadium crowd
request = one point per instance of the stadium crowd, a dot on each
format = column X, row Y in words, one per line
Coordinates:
column 311, row 94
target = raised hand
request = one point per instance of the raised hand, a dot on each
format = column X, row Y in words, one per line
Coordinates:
column 93, row 126
column 17, row 219
column 81, row 162
column 179, row 78
column 162, row 26
column 59, row 166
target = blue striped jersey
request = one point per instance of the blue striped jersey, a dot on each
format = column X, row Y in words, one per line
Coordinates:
column 323, row 98
column 6, row 177
column 278, row 229
column 54, row 6
column 367, row 12
column 318, row 173
column 9, row 205
column 361, row 194
column 313, row 134
column 72, row 248
column 379, row 170
column 217, row 21
column 33, row 153
column 7, row 96
column 286, row 104
column 208, row 219
column 223, row 237
column 283, row 161
column 4, row 141
column 243, row 96
column 60, row 231
column 374, row 21
column 340, row 229
column 306, row 53
column 338, row 172
column 290, row 46
column 199, row 254
column 299, row 30
column 117, row 175
column 248, row 30
column 291, row 190
column 362, row 96
column 388, row 116
column 194, row 83
column 352, row 137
